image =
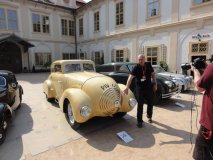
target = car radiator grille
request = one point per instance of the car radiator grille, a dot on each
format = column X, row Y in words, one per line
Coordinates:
column 108, row 100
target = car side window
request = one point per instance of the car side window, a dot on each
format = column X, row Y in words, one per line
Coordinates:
column 123, row 69
column 2, row 81
column 57, row 68
column 88, row 67
column 105, row 69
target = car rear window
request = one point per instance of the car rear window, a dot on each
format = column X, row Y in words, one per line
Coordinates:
column 2, row 81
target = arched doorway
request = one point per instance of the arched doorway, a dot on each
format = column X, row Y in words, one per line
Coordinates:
column 10, row 57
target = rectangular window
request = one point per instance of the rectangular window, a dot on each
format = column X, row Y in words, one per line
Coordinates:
column 42, row 59
column 12, row 19
column 64, row 27
column 2, row 19
column 81, row 29
column 199, row 48
column 69, row 56
column 96, row 21
column 8, row 19
column 153, row 8
column 71, row 28
column 98, row 57
column 119, row 56
column 40, row 23
column 119, row 13
column 152, row 55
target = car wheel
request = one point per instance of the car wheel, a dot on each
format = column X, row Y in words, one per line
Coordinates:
column 3, row 131
column 70, row 118
column 157, row 96
column 50, row 99
column 119, row 114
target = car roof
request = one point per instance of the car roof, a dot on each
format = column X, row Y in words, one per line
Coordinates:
column 118, row 63
column 5, row 72
column 75, row 60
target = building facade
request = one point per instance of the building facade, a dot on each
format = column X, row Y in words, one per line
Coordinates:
column 165, row 31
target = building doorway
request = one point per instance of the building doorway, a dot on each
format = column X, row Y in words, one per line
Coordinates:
column 10, row 57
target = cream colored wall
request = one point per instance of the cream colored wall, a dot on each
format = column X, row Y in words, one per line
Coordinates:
column 175, row 16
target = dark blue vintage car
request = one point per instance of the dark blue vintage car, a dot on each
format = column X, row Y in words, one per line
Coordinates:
column 10, row 99
column 119, row 71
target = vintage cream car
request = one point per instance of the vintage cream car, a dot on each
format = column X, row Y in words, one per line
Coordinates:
column 82, row 93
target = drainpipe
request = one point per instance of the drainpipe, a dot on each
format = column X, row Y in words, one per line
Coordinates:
column 76, row 44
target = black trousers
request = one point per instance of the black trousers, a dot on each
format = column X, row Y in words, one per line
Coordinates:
column 203, row 148
column 142, row 95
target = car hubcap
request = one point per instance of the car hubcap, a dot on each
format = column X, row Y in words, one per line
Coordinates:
column 70, row 114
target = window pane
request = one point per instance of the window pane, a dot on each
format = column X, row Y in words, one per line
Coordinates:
column 36, row 23
column 2, row 19
column 12, row 20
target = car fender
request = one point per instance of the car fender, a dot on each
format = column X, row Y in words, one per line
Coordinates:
column 6, row 109
column 77, row 99
column 48, row 89
column 125, row 107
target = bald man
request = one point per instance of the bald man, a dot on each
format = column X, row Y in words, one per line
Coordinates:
column 143, row 72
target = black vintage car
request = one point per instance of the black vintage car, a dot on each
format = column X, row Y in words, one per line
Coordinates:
column 119, row 71
column 5, row 118
column 10, row 99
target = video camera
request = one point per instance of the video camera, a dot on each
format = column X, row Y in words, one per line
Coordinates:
column 198, row 63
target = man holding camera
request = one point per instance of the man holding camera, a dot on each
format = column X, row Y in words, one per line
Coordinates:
column 204, row 142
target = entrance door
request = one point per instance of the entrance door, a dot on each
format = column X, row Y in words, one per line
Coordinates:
column 10, row 57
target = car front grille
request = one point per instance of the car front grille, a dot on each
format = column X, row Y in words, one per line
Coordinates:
column 110, row 97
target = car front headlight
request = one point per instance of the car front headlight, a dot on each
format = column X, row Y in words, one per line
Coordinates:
column 85, row 111
column 132, row 102
column 168, row 83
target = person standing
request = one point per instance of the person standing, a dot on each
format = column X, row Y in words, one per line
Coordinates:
column 144, row 90
column 204, row 142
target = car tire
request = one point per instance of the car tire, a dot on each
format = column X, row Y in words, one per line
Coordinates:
column 119, row 114
column 3, row 130
column 70, row 118
column 49, row 99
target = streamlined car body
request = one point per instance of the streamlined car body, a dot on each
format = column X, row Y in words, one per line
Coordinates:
column 83, row 93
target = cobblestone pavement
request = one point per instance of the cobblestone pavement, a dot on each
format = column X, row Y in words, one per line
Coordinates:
column 40, row 131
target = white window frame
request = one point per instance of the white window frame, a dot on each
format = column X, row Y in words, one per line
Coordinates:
column 48, row 59
column 81, row 26
column 119, row 13
column 6, row 19
column 149, row 58
column 67, row 27
column 43, row 28
column 69, row 55
column 154, row 11
column 97, row 21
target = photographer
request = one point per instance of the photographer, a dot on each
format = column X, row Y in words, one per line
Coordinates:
column 204, row 142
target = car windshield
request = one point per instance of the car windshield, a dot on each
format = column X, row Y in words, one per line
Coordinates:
column 158, row 69
column 69, row 68
column 2, row 81
column 131, row 66
column 88, row 67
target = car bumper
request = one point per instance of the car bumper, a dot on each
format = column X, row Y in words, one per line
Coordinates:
column 167, row 95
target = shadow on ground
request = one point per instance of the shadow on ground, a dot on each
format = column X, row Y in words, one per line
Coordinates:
column 143, row 137
column 12, row 148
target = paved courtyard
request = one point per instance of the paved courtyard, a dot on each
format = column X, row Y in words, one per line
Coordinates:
column 40, row 131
